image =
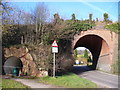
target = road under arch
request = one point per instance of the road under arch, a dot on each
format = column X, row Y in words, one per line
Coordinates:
column 99, row 49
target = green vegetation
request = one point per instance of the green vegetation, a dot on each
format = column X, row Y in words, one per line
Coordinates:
column 106, row 18
column 86, row 54
column 90, row 18
column 89, row 59
column 8, row 83
column 75, row 54
column 31, row 29
column 69, row 80
column 105, row 15
column 81, row 26
column 83, row 57
column 73, row 16
column 114, row 27
column 39, row 33
column 0, row 83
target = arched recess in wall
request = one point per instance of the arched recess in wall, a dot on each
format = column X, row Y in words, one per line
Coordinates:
column 12, row 62
column 97, row 46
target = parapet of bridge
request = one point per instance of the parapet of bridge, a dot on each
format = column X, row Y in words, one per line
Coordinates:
column 103, row 45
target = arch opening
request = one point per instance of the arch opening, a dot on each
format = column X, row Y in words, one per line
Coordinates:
column 99, row 49
column 12, row 63
column 83, row 58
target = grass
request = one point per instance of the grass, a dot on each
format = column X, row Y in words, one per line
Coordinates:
column 8, row 83
column 0, row 83
column 26, row 77
column 68, row 81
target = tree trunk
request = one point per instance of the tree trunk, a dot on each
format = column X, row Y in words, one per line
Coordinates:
column 36, row 33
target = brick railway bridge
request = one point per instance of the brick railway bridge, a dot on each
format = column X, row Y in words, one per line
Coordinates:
column 103, row 44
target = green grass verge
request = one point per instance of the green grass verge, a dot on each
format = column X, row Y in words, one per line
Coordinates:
column 8, row 83
column 0, row 83
column 68, row 81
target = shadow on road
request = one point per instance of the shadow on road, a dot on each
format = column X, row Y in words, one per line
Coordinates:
column 81, row 69
column 101, row 78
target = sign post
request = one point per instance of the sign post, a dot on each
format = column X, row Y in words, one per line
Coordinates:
column 53, row 64
column 54, row 50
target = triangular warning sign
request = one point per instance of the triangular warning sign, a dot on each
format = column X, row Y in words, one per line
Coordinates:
column 54, row 44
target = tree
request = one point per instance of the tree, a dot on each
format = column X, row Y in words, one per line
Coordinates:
column 90, row 18
column 40, row 15
column 56, row 19
column 97, row 20
column 10, row 34
column 6, row 12
column 73, row 16
column 75, row 53
column 105, row 15
column 89, row 59
column 85, row 53
column 86, row 56
column 27, row 33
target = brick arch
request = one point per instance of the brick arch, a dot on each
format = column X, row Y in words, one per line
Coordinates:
column 11, row 63
column 101, row 43
column 23, row 54
column 104, row 34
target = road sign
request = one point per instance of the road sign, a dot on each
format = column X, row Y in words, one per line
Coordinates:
column 54, row 44
column 54, row 50
column 54, row 47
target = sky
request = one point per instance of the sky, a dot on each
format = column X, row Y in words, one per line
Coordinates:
column 80, row 48
column 80, row 9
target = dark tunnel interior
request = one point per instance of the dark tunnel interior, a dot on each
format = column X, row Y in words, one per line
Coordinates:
column 94, row 44
column 11, row 63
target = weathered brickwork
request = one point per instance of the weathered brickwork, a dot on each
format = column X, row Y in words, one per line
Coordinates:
column 107, row 43
column 23, row 54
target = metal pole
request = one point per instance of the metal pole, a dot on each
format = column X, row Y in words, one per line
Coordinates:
column 53, row 64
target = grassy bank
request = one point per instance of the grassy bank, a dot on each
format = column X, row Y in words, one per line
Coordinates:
column 8, row 83
column 68, row 81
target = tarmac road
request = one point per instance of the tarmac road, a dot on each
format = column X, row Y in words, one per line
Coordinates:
column 101, row 78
